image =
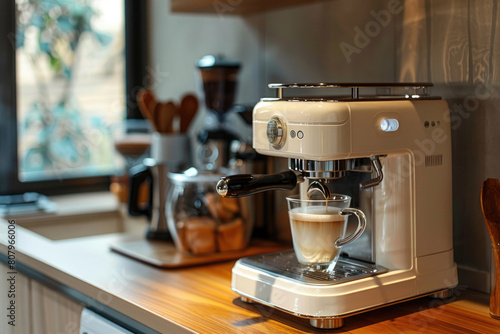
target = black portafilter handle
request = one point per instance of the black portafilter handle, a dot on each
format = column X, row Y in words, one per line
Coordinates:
column 247, row 184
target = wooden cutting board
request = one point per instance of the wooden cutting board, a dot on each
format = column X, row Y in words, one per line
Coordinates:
column 163, row 254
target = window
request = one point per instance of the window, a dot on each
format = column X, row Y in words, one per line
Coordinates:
column 72, row 69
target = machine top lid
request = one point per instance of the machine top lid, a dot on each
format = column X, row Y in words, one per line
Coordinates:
column 349, row 91
column 350, row 84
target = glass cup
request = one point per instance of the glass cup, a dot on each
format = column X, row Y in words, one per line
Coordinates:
column 318, row 228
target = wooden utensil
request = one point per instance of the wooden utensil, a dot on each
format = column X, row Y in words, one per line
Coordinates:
column 172, row 113
column 490, row 205
column 147, row 105
column 188, row 109
column 164, row 116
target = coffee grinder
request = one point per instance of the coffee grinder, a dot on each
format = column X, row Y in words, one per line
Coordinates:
column 219, row 76
column 388, row 146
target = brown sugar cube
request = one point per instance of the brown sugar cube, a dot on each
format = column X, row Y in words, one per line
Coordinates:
column 216, row 208
column 231, row 236
column 224, row 215
column 230, row 204
column 211, row 203
column 200, row 235
column 227, row 209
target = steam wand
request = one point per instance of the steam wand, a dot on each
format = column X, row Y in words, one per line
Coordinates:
column 246, row 184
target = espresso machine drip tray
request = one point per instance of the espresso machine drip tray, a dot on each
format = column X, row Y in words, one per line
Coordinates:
column 285, row 264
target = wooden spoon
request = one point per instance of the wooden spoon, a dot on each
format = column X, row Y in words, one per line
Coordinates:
column 490, row 205
column 172, row 113
column 188, row 109
column 147, row 105
column 164, row 117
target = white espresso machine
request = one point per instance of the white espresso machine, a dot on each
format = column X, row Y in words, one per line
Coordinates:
column 388, row 146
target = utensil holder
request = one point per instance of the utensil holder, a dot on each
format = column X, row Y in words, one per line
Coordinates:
column 172, row 149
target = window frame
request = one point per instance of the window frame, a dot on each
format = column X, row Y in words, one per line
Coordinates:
column 135, row 72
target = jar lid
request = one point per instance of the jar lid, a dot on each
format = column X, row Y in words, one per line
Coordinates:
column 193, row 175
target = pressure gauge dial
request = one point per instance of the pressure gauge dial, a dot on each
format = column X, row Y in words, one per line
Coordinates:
column 276, row 132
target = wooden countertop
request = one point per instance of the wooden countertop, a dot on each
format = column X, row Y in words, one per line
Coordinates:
column 199, row 299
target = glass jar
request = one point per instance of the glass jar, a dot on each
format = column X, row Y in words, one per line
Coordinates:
column 202, row 222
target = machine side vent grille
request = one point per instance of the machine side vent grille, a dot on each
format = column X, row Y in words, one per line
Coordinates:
column 433, row 160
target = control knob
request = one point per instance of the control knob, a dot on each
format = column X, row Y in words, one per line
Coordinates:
column 276, row 132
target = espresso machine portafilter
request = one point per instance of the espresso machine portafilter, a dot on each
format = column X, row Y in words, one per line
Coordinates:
column 317, row 175
column 388, row 146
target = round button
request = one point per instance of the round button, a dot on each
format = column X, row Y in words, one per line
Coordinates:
column 300, row 134
column 389, row 125
column 275, row 132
